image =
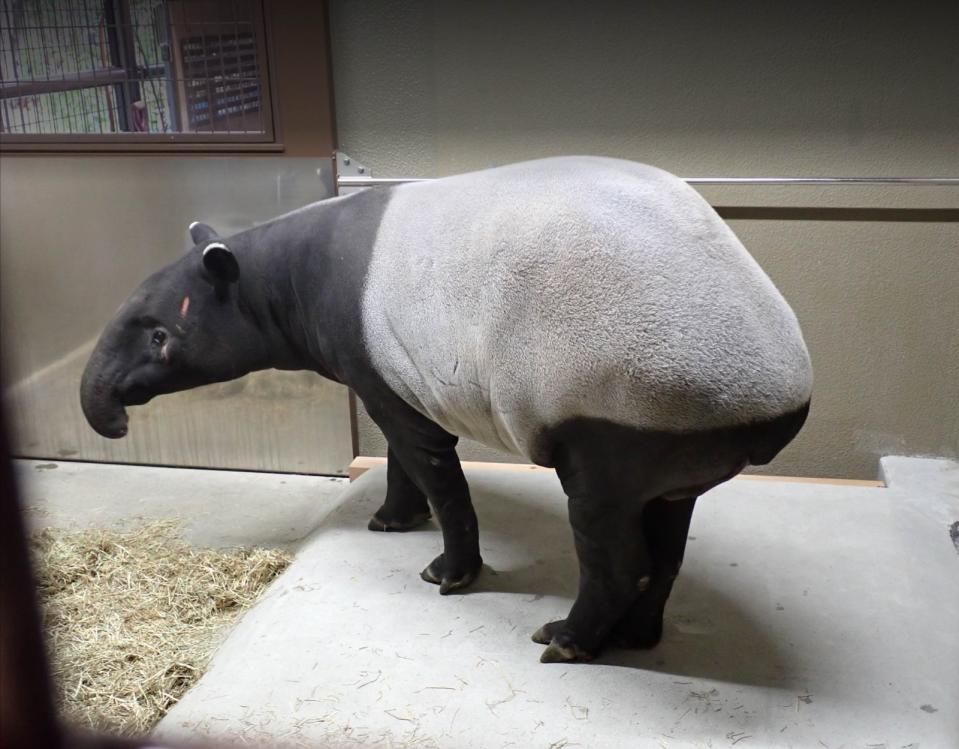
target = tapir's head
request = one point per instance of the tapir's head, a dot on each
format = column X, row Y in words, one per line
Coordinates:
column 183, row 327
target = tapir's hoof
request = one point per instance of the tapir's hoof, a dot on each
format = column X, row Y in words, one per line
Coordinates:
column 544, row 635
column 378, row 523
column 556, row 653
column 559, row 647
column 449, row 580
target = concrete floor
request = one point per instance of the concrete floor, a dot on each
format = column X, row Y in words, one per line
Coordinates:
column 806, row 615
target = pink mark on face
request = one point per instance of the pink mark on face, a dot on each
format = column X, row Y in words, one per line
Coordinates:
column 184, row 306
column 165, row 352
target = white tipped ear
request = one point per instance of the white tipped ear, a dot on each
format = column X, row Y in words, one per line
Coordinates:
column 215, row 246
column 220, row 263
column 200, row 233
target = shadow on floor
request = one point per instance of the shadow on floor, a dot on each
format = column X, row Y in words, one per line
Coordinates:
column 528, row 549
column 708, row 633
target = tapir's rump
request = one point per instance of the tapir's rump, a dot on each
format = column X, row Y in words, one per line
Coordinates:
column 506, row 302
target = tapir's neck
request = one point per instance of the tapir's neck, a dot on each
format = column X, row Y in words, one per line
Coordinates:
column 266, row 296
column 302, row 278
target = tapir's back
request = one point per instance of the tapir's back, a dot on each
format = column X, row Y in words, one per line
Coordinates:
column 502, row 303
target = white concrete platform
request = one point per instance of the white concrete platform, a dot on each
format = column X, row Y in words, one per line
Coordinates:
column 805, row 616
column 217, row 508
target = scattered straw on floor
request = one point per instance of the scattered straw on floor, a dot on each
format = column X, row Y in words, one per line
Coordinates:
column 133, row 617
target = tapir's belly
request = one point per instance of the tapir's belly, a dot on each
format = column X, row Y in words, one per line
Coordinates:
column 512, row 300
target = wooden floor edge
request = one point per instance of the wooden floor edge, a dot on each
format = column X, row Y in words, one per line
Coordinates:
column 362, row 464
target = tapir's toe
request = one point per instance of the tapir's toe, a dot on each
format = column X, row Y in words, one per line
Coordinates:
column 380, row 523
column 544, row 635
column 560, row 647
column 556, row 653
column 439, row 572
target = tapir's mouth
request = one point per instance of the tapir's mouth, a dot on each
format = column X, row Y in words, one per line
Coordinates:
column 117, row 425
column 135, row 395
column 116, row 428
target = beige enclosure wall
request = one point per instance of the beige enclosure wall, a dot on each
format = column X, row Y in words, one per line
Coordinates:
column 719, row 89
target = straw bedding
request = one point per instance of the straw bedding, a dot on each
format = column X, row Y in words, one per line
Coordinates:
column 132, row 618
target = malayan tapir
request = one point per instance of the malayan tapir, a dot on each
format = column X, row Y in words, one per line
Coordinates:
column 589, row 314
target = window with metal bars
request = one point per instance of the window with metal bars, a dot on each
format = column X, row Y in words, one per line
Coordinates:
column 134, row 71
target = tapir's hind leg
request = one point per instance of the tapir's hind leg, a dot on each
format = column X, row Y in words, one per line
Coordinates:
column 665, row 524
column 629, row 537
column 614, row 561
column 406, row 506
column 631, row 495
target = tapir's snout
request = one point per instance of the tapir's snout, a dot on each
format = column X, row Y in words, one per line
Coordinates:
column 99, row 398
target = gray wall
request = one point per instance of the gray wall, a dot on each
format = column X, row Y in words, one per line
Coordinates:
column 752, row 88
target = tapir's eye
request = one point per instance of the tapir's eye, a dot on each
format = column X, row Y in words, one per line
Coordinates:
column 159, row 337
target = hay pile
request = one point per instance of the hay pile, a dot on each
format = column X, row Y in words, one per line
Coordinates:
column 132, row 618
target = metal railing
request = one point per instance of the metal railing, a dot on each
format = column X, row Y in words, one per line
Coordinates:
column 354, row 181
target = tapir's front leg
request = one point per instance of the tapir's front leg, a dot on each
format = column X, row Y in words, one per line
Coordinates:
column 405, row 507
column 427, row 454
column 460, row 562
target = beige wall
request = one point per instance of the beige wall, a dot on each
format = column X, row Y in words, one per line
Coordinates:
column 722, row 89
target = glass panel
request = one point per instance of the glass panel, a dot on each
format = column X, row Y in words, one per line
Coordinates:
column 64, row 272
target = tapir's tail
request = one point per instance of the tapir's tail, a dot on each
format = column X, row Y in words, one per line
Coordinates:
column 772, row 436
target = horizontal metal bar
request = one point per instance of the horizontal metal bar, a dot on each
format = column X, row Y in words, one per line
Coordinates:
column 950, row 181
column 822, row 180
column 77, row 81
column 65, row 82
column 377, row 181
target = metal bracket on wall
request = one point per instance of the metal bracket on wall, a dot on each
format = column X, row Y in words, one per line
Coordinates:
column 352, row 176
column 347, row 168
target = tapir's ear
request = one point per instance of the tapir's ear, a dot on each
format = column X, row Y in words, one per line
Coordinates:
column 220, row 263
column 201, row 233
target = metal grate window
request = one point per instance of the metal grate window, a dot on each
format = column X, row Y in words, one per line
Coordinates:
column 179, row 70
column 234, row 93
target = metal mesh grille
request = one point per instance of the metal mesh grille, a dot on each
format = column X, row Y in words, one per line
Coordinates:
column 85, row 67
column 234, row 91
